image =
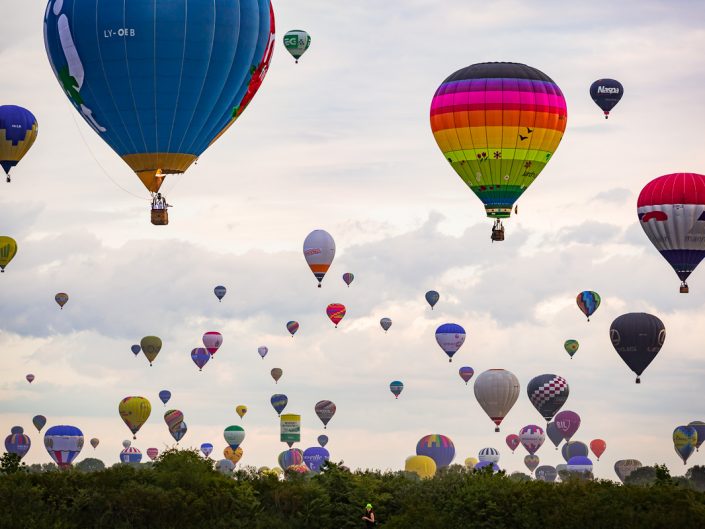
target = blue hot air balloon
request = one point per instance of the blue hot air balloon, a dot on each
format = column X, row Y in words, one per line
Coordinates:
column 63, row 443
column 574, row 449
column 164, row 395
column 179, row 431
column 17, row 443
column 220, row 292
column 18, row 130
column 206, row 448
column 450, row 337
column 483, row 464
column 279, row 402
column 136, row 349
column 606, row 93
column 159, row 81
column 314, row 457
column 579, row 464
column 16, row 430
column 323, row 440
column 200, row 357
column 130, row 455
column 432, row 298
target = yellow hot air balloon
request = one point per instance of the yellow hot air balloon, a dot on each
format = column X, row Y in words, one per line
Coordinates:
column 470, row 462
column 134, row 412
column 151, row 345
column 8, row 249
column 233, row 455
column 424, row 466
column 241, row 410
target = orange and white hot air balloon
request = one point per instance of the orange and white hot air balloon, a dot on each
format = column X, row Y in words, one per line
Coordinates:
column 319, row 251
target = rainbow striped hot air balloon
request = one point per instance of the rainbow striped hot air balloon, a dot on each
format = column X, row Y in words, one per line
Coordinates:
column 335, row 312
column 498, row 125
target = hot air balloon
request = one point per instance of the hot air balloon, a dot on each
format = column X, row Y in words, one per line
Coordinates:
column 624, row 467
column 554, row 434
column 279, row 402
column 325, row 409
column 136, row 349
column 224, row 466
column 532, row 437
column 16, row 430
column 159, row 128
column 548, row 393
column 512, row 441
column 385, row 323
column 450, row 338
column 61, row 299
column 220, row 292
column 164, row 395
column 152, row 453
column 126, row 443
column 580, row 464
column 700, row 428
column 8, row 250
column 490, row 455
column 134, row 412
column 498, row 124
column 432, row 298
column 560, row 469
column 179, row 432
column 173, row 418
column 571, row 347
column 17, row 443
column 336, row 312
column 296, row 43
column 262, row 350
column 200, row 357
column 531, row 461
column 485, row 464
column 438, row 447
column 212, row 341
column 422, row 466
column 319, row 251
column 684, row 440
column 292, row 327
column 588, row 302
column 348, row 278
column 95, row 442
column 315, row 457
column 290, row 458
column 18, row 130
column 130, row 455
column 598, row 447
column 276, row 374
column 637, row 337
column 241, row 410
column 234, row 456
column 396, row 387
column 29, row 378
column 496, row 390
column 206, row 449
column 573, row 449
column 546, row 473
column 567, row 423
column 470, row 462
column 151, row 345
column 606, row 93
column 63, row 443
column 39, row 421
column 671, row 212
column 466, row 373
column 323, row 440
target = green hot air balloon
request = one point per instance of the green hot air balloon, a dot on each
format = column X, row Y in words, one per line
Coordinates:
column 571, row 347
column 297, row 42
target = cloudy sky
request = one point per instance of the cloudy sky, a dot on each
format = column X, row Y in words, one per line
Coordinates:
column 342, row 142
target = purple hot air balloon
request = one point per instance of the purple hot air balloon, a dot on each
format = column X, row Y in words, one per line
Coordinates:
column 438, row 447
column 466, row 373
column 532, row 437
column 314, row 457
column 567, row 422
column 200, row 357
column 18, row 443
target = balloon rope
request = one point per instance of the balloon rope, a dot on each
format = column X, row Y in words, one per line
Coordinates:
column 105, row 171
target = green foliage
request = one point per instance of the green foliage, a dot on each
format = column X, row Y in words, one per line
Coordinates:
column 182, row 490
column 11, row 463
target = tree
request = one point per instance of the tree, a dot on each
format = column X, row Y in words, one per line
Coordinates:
column 11, row 463
column 641, row 476
column 90, row 464
column 696, row 475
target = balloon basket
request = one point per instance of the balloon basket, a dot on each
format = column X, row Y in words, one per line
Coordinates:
column 160, row 217
column 684, row 288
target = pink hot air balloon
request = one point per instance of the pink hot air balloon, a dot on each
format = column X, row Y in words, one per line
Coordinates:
column 30, row 378
column 532, row 437
column 567, row 422
column 212, row 341
column 152, row 453
column 513, row 441
column 336, row 312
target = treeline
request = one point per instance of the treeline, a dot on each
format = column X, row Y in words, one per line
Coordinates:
column 182, row 490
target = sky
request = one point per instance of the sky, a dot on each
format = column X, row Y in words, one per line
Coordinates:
column 342, row 142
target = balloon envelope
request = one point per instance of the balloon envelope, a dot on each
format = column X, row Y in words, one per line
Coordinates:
column 151, row 345
column 152, row 453
column 291, row 457
column 546, row 473
column 396, row 387
column 279, row 402
column 39, row 421
column 488, row 455
column 164, row 395
column 134, row 412
column 95, row 442
column 598, row 447
column 348, row 278
column 624, row 467
column 126, row 443
column 319, row 252
column 262, row 350
column 325, row 409
column 573, row 449
column 8, row 250
column 532, row 437
column 18, row 130
column 496, row 390
column 531, row 461
column 466, row 373
column 241, row 410
column 297, row 42
column 385, row 323
column 130, row 455
column 637, row 337
column 423, row 466
column 579, row 464
column 179, row 431
column 700, row 429
column 234, row 435
column 450, row 338
column 212, row 341
column 548, row 393
column 200, row 357
column 606, row 93
column 233, row 455
column 136, row 349
column 554, row 434
column 314, row 457
column 63, row 443
column 588, row 302
column 220, row 292
column 571, row 347
column 276, row 374
column 206, row 449
column 18, row 444
column 438, row 447
column 684, row 440
column 512, row 441
column 173, row 418
column 323, row 440
column 335, row 312
column 61, row 299
column 29, row 378
column 292, row 327
column 567, row 423
column 432, row 298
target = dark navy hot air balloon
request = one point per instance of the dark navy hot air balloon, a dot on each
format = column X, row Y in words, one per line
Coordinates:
column 548, row 393
column 637, row 338
column 18, row 130
column 159, row 81
column 606, row 93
